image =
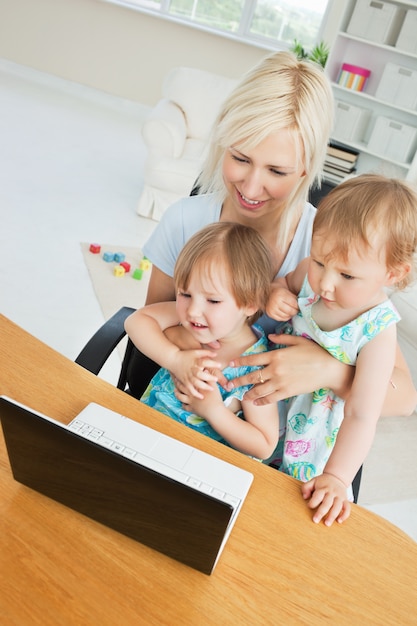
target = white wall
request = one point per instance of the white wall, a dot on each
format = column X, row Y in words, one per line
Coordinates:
column 112, row 48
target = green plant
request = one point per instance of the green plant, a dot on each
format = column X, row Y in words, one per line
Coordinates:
column 318, row 54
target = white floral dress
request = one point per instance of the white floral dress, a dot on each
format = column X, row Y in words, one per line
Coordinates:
column 313, row 420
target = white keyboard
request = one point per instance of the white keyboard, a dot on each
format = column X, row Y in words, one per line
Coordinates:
column 160, row 460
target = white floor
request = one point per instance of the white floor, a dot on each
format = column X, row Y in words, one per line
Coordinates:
column 70, row 171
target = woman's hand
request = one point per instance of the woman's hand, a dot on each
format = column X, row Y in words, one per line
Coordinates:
column 301, row 367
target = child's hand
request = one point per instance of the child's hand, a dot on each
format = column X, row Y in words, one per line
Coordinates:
column 207, row 405
column 196, row 370
column 327, row 494
column 282, row 304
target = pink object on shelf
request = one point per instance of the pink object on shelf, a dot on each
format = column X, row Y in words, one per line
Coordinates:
column 353, row 77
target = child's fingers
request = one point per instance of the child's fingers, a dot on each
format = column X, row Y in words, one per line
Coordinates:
column 345, row 512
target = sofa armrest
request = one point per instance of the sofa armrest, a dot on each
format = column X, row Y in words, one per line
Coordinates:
column 164, row 130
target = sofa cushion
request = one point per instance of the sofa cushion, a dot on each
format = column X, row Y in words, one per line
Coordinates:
column 164, row 129
column 199, row 94
column 406, row 303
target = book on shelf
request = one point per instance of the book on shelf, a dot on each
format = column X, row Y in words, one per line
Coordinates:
column 336, row 177
column 337, row 171
column 342, row 152
column 346, row 166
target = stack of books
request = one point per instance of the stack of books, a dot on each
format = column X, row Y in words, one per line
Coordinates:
column 340, row 163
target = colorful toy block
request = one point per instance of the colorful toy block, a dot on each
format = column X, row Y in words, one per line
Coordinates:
column 144, row 264
column 119, row 257
column 119, row 270
column 126, row 265
column 95, row 248
column 108, row 257
column 137, row 274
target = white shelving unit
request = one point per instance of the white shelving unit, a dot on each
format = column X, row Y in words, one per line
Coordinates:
column 374, row 56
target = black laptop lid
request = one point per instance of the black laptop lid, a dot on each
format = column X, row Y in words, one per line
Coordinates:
column 170, row 517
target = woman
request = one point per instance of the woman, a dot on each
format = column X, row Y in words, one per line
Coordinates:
column 267, row 149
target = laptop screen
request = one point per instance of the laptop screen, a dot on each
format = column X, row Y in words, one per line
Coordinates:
column 139, row 502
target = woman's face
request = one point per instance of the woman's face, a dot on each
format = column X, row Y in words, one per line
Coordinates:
column 260, row 179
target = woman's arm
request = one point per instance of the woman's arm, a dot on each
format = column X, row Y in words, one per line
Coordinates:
column 161, row 287
column 303, row 366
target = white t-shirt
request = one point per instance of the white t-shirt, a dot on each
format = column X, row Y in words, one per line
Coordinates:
column 185, row 217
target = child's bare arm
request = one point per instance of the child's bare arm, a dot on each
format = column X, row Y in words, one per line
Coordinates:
column 256, row 435
column 363, row 408
column 145, row 328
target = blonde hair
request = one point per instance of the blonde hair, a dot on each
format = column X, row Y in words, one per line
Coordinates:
column 242, row 255
column 372, row 204
column 281, row 92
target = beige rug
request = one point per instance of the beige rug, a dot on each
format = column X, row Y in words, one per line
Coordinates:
column 113, row 291
column 390, row 471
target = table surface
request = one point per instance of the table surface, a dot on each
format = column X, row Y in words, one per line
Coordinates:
column 58, row 567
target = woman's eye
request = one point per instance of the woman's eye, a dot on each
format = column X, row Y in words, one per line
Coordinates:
column 278, row 173
column 183, row 294
column 239, row 159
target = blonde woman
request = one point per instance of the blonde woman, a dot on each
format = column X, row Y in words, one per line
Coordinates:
column 266, row 151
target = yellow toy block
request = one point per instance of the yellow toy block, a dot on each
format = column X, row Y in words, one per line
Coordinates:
column 144, row 264
column 119, row 270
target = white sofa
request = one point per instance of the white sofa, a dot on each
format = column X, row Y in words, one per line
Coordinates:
column 175, row 133
column 406, row 303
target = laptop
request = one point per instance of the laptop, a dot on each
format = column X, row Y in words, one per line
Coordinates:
column 151, row 487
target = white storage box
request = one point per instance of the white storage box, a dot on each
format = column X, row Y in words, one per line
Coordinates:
column 407, row 39
column 376, row 20
column 393, row 140
column 350, row 121
column 398, row 85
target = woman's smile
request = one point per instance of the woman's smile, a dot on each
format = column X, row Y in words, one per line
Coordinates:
column 247, row 203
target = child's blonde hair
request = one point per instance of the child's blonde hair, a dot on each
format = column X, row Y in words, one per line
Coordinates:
column 372, row 204
column 281, row 92
column 242, row 255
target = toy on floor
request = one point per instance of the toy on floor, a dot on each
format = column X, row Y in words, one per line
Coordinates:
column 122, row 267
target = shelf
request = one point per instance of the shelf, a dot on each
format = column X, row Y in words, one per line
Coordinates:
column 395, row 138
column 365, row 96
column 363, row 148
column 368, row 42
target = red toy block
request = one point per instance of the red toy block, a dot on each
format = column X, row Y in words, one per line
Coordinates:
column 126, row 265
column 95, row 248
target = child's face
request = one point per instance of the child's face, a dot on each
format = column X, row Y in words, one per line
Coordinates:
column 356, row 284
column 208, row 310
column 260, row 179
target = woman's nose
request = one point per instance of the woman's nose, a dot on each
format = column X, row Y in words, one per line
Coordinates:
column 252, row 186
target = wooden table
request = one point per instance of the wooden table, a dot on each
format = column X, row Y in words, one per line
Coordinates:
column 58, row 567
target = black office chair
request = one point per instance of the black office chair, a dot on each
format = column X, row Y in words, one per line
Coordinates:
column 137, row 369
